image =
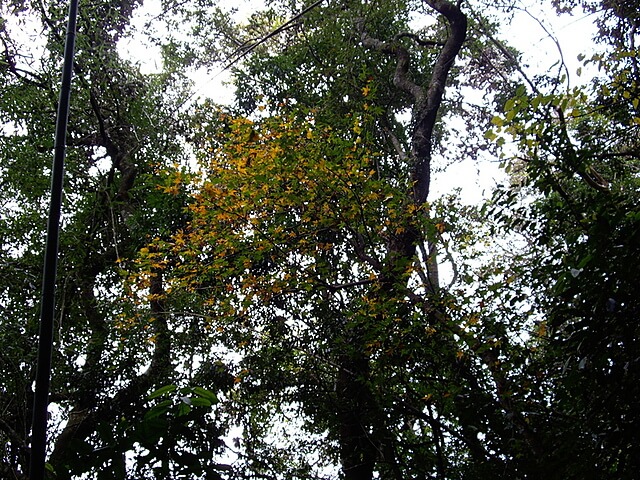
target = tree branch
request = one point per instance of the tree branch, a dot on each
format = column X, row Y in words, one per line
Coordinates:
column 400, row 79
column 418, row 40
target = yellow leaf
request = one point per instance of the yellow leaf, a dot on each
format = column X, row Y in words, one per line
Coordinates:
column 497, row 121
column 542, row 329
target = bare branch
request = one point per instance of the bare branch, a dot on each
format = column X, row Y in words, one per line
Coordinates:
column 401, row 78
column 395, row 142
column 418, row 40
column 505, row 51
column 426, row 102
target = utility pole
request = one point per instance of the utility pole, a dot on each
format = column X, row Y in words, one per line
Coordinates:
column 48, row 304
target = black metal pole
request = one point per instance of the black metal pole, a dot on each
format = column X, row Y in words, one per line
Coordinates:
column 48, row 304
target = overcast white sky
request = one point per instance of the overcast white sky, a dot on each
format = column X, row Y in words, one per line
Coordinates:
column 574, row 34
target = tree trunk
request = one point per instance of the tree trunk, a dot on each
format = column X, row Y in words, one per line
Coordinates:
column 362, row 424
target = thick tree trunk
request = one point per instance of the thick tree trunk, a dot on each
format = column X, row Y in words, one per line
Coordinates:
column 362, row 425
column 355, row 404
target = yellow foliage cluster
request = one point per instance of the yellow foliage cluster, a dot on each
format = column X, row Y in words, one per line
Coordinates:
column 280, row 207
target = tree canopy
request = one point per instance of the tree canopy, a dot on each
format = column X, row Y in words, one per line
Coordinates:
column 272, row 289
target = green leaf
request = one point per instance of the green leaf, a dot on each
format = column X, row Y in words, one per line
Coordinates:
column 162, row 390
column 158, row 410
column 490, row 135
column 585, row 260
column 207, row 394
column 183, row 409
column 497, row 121
column 509, row 105
column 200, row 402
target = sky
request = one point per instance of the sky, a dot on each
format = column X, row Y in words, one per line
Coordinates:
column 534, row 29
column 526, row 33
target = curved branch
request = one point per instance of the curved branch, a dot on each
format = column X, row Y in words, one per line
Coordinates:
column 400, row 79
column 425, row 113
column 86, row 416
column 426, row 104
